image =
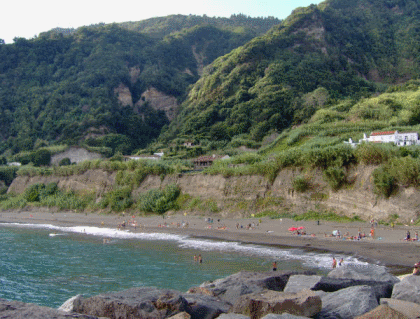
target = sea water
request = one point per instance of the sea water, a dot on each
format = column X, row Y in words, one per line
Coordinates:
column 46, row 264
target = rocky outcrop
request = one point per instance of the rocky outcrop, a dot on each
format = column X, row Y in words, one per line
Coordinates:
column 76, row 155
column 408, row 289
column 383, row 312
column 381, row 289
column 145, row 303
column 231, row 288
column 160, row 102
column 305, row 303
column 348, row 303
column 363, row 272
column 123, row 95
column 21, row 310
column 244, row 295
column 408, row 309
column 300, row 282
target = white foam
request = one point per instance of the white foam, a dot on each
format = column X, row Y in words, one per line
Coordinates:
column 312, row 260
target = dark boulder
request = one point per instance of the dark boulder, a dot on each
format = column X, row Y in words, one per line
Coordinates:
column 348, row 303
column 21, row 310
column 380, row 289
column 408, row 289
column 144, row 303
column 231, row 288
column 205, row 307
column 366, row 272
column 257, row 305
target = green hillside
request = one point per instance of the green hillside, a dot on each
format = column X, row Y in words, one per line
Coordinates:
column 315, row 58
column 60, row 86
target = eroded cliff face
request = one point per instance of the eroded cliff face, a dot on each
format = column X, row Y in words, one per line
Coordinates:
column 236, row 196
column 160, row 102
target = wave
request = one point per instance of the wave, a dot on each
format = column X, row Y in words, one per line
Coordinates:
column 309, row 259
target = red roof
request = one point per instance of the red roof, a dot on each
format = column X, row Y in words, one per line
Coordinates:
column 382, row 133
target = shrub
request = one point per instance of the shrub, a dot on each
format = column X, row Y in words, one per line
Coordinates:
column 118, row 199
column 65, row 162
column 32, row 193
column 300, row 184
column 335, row 177
column 405, row 170
column 41, row 157
column 8, row 173
column 373, row 154
column 338, row 155
column 384, row 182
column 159, row 201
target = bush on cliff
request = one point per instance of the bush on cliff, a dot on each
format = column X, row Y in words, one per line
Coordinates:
column 118, row 199
column 384, row 182
column 300, row 184
column 335, row 177
column 159, row 201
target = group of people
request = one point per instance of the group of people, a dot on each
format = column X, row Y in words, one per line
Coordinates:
column 409, row 238
column 198, row 259
column 334, row 263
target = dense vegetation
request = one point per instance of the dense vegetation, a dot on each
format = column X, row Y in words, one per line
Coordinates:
column 316, row 57
column 60, row 86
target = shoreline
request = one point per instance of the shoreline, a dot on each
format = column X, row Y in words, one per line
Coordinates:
column 387, row 249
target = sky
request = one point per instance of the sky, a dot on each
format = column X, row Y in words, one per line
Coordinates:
column 28, row 18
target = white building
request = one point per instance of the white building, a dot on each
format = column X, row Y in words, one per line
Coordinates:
column 399, row 139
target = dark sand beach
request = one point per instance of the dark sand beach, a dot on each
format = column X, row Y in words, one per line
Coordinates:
column 387, row 248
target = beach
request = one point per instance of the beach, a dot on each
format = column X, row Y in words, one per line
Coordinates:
column 387, row 248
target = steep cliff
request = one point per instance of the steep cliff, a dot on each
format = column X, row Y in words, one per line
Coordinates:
column 242, row 195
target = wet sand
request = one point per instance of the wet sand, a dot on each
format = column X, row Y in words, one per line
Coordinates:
column 388, row 246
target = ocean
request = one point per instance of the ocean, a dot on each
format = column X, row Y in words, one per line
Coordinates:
column 46, row 264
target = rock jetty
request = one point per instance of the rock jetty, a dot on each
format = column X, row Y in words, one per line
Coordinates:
column 350, row 291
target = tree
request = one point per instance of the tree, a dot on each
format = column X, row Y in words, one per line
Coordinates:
column 41, row 158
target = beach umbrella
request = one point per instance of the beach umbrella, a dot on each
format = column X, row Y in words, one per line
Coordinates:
column 293, row 229
column 300, row 228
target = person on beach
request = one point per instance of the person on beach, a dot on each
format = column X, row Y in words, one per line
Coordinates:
column 408, row 237
column 334, row 263
column 341, row 262
column 416, row 270
column 274, row 265
column 200, row 259
column 195, row 258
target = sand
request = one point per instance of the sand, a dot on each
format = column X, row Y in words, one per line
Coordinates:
column 387, row 248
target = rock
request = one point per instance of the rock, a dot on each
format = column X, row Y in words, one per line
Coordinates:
column 202, row 291
column 409, row 309
column 232, row 316
column 363, row 272
column 297, row 283
column 381, row 289
column 181, row 315
column 143, row 302
column 231, row 288
column 348, row 303
column 205, row 307
column 304, row 303
column 283, row 316
column 383, row 312
column 408, row 289
column 21, row 310
column 67, row 306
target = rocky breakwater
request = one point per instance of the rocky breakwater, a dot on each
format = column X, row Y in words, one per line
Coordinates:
column 351, row 291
